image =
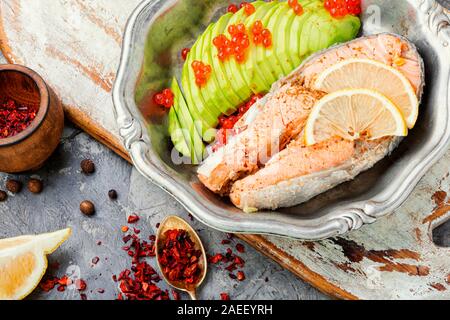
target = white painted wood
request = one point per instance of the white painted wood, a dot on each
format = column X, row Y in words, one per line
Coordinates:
column 75, row 46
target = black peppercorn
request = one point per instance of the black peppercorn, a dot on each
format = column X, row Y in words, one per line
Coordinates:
column 87, row 208
column 35, row 186
column 13, row 186
column 3, row 196
column 112, row 194
column 87, row 166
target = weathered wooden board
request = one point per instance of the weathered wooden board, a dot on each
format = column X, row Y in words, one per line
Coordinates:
column 75, row 46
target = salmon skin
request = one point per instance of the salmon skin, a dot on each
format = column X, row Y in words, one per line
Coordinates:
column 297, row 173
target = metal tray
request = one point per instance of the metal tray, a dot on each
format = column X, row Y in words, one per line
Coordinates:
column 154, row 36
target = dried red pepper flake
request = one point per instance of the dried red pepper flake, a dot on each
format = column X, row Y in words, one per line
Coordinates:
column 240, row 248
column 224, row 296
column 15, row 117
column 101, row 291
column 83, row 296
column 176, row 295
column 136, row 231
column 133, row 218
column 80, row 285
column 179, row 257
column 226, row 241
column 241, row 276
column 95, row 260
column 61, row 288
column 158, row 225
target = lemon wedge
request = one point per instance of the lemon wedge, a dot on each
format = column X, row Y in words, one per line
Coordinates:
column 23, row 262
column 353, row 114
column 373, row 75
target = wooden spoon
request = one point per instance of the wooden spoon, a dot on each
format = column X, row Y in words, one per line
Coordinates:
column 176, row 223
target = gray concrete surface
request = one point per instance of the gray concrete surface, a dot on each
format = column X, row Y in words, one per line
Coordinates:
column 57, row 207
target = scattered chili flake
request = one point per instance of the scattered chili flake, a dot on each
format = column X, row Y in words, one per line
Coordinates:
column 179, row 257
column 202, row 72
column 125, row 229
column 133, row 218
column 341, row 8
column 136, row 231
column 15, row 117
column 226, row 241
column 83, row 296
column 80, row 285
column 232, row 276
column 240, row 248
column 241, row 276
column 158, row 225
column 61, row 288
column 224, row 296
column 164, row 98
column 95, row 260
column 184, row 53
column 101, row 291
column 99, row 243
column 176, row 295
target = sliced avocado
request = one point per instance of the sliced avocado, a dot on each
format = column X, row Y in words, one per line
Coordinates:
column 296, row 30
column 212, row 92
column 347, row 28
column 266, row 69
column 253, row 76
column 305, row 36
column 281, row 23
column 186, row 120
column 219, row 69
column 177, row 135
column 193, row 96
column 233, row 73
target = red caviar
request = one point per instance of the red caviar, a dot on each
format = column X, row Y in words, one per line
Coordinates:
column 236, row 45
column 232, row 8
column 179, row 257
column 249, row 9
column 14, row 118
column 261, row 35
column 202, row 72
column 184, row 53
column 297, row 7
column 341, row 8
column 164, row 98
column 227, row 123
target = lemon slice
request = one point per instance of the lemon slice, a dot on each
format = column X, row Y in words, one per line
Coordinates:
column 373, row 75
column 353, row 114
column 23, row 262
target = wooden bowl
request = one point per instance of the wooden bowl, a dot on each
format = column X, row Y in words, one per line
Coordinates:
column 29, row 149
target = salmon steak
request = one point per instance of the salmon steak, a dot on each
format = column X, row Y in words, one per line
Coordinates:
column 268, row 164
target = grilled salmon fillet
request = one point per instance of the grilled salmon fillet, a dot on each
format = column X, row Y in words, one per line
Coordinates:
column 282, row 118
column 298, row 173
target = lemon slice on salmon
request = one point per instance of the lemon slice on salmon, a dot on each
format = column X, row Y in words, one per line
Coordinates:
column 353, row 114
column 373, row 75
column 23, row 262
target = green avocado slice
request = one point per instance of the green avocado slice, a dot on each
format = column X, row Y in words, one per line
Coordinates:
column 253, row 76
column 212, row 92
column 193, row 138
column 296, row 30
column 233, row 73
column 219, row 71
column 277, row 55
column 260, row 62
column 177, row 134
column 194, row 99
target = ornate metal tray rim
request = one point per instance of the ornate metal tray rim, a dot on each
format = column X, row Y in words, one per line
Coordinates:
column 350, row 216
